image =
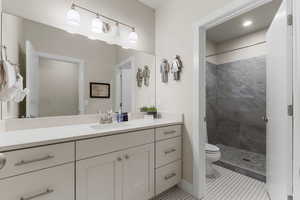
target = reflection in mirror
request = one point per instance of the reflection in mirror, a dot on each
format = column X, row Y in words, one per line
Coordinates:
column 58, row 68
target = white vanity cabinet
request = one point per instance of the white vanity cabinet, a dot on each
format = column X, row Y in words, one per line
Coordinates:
column 124, row 175
column 133, row 165
column 49, row 184
column 168, row 145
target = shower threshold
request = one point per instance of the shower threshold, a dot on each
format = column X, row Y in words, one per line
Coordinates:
column 244, row 162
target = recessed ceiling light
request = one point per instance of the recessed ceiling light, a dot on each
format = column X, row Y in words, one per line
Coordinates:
column 247, row 23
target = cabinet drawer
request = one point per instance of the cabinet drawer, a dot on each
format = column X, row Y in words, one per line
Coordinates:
column 49, row 184
column 168, row 132
column 103, row 145
column 168, row 176
column 168, row 151
column 27, row 160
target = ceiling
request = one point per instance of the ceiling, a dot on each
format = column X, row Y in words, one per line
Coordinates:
column 261, row 17
column 152, row 3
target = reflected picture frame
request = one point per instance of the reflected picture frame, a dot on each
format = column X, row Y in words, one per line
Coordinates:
column 99, row 90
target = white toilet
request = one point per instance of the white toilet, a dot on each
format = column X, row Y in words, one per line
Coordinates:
column 213, row 154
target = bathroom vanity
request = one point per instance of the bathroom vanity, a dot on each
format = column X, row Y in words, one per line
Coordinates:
column 133, row 160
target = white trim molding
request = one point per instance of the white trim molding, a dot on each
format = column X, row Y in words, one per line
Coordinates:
column 220, row 16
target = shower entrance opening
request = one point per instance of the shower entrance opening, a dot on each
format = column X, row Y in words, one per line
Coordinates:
column 248, row 81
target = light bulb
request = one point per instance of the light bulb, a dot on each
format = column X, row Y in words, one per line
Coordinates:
column 73, row 17
column 133, row 37
column 115, row 34
column 247, row 23
column 97, row 25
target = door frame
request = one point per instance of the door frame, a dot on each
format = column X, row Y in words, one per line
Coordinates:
column 219, row 16
column 296, row 99
column 81, row 74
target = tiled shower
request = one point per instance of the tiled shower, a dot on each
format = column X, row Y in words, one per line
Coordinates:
column 236, row 103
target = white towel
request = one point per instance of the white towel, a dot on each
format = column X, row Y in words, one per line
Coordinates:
column 15, row 93
column 10, row 74
column 20, row 93
column 175, row 66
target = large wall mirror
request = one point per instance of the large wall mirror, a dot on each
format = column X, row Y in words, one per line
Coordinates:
column 70, row 74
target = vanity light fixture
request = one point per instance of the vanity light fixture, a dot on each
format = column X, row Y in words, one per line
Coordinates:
column 247, row 23
column 97, row 25
column 73, row 18
column 133, row 37
column 115, row 34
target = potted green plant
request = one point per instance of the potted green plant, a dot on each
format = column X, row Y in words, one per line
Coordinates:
column 144, row 109
column 152, row 111
column 149, row 110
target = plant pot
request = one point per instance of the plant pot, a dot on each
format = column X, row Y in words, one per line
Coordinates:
column 152, row 113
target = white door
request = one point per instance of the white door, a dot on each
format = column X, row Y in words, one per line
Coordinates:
column 138, row 173
column 279, row 96
column 99, row 178
column 32, row 81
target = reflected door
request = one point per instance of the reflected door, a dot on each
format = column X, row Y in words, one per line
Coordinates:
column 126, row 89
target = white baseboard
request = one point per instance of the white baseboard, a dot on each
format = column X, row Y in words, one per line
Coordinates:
column 186, row 186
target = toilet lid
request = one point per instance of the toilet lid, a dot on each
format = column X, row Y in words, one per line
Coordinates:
column 211, row 148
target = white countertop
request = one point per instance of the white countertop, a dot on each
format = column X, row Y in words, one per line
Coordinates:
column 14, row 140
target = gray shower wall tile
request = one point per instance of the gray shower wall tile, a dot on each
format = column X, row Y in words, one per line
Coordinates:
column 236, row 103
column 211, row 101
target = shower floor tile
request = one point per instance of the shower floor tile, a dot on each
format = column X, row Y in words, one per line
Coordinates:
column 245, row 162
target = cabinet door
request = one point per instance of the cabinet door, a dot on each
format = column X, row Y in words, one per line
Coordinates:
column 99, row 178
column 48, row 184
column 138, row 173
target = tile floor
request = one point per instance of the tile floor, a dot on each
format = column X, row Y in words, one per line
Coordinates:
column 229, row 186
column 245, row 159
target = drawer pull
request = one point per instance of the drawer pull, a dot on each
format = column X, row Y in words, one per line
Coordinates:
column 170, row 176
column 127, row 157
column 170, row 151
column 25, row 162
column 169, row 132
column 2, row 161
column 48, row 191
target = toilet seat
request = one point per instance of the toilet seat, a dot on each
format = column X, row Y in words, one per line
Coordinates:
column 211, row 149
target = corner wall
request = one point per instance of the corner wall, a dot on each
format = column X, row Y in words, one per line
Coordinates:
column 174, row 36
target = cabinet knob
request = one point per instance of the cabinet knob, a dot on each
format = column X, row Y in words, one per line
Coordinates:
column 2, row 160
column 127, row 157
column 119, row 159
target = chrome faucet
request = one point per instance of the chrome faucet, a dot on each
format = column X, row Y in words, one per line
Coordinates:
column 106, row 117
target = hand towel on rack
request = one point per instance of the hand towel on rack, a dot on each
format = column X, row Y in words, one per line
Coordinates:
column 10, row 74
column 21, row 92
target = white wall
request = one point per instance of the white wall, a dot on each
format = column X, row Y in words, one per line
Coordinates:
column 53, row 12
column 245, row 53
column 174, row 35
column 250, row 41
column 58, row 88
column 2, row 124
